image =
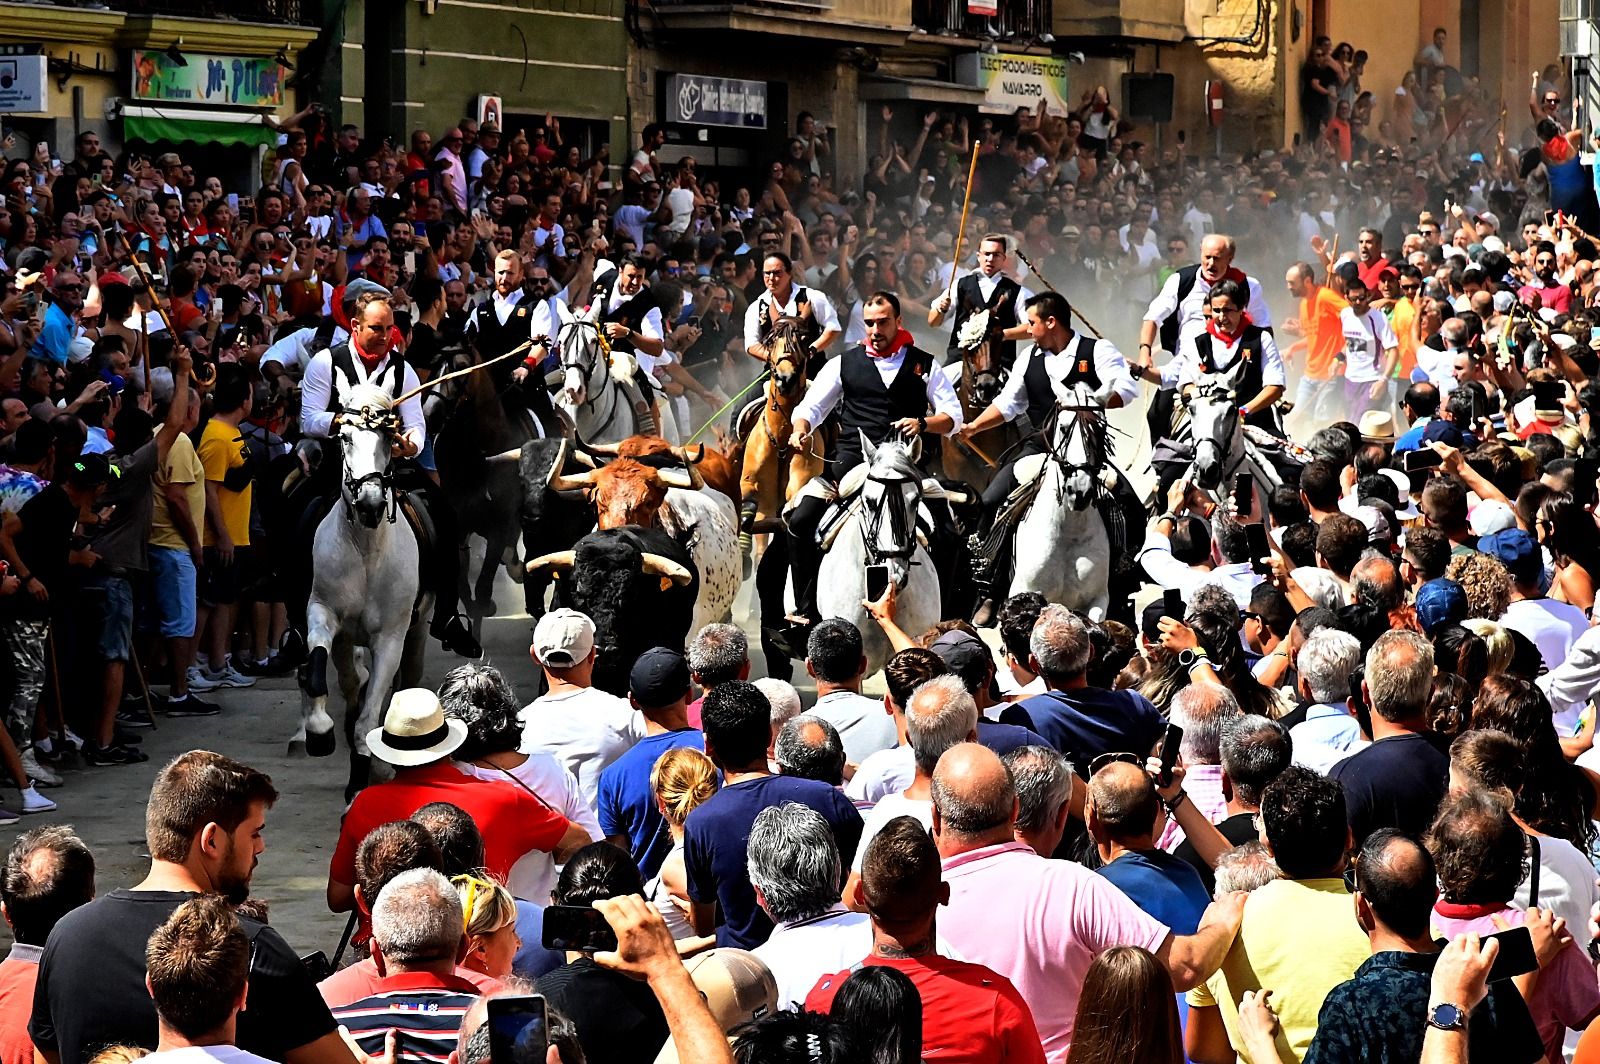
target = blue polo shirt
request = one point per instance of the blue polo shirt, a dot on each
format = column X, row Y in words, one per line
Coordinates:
column 628, row 806
column 1166, row 887
column 1088, row 721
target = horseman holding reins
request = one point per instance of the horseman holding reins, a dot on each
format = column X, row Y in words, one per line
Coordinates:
column 499, row 324
column 881, row 389
column 372, row 357
column 990, row 290
column 1236, row 351
column 630, row 316
column 1060, row 357
column 819, row 322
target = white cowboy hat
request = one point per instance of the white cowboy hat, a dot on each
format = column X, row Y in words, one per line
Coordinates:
column 1377, row 426
column 415, row 731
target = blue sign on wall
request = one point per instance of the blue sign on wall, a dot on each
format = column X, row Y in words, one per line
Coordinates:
column 695, row 100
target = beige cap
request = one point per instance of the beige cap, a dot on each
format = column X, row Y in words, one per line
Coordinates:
column 563, row 638
column 738, row 988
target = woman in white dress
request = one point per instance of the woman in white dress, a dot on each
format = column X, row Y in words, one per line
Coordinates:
column 681, row 780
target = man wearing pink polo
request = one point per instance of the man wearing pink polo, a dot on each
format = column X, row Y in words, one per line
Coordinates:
column 1038, row 922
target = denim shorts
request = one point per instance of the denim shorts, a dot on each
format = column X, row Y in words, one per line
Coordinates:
column 173, row 576
column 112, row 597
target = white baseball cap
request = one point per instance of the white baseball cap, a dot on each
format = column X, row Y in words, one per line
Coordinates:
column 563, row 638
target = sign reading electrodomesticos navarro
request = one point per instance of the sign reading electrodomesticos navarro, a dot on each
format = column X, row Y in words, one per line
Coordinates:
column 696, row 100
column 1011, row 80
column 214, row 80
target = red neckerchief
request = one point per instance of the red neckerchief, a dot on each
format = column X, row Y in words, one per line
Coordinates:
column 1211, row 327
column 902, row 340
column 1451, row 910
column 367, row 361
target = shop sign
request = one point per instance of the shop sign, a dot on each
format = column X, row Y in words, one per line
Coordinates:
column 696, row 100
column 23, row 88
column 208, row 80
column 1011, row 80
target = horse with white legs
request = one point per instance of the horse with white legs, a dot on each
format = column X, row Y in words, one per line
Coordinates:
column 366, row 600
column 1061, row 547
column 1222, row 447
column 596, row 382
column 881, row 530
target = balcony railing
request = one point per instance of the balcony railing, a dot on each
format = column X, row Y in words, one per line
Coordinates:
column 289, row 11
column 1025, row 19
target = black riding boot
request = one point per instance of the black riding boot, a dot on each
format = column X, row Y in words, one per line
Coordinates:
column 991, row 576
column 805, row 558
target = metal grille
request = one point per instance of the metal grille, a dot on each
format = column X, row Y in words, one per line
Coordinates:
column 240, row 10
column 1024, row 19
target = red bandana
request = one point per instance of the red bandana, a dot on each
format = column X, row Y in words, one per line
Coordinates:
column 902, row 339
column 1451, row 910
column 1211, row 327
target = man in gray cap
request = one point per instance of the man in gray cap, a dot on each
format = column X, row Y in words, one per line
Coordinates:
column 658, row 687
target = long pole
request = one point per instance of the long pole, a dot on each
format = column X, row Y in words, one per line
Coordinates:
column 155, row 300
column 966, row 202
column 1076, row 313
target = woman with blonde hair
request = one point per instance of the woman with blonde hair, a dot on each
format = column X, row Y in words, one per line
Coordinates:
column 490, row 913
column 1495, row 638
column 681, row 780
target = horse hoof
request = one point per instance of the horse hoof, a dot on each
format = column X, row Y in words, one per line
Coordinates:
column 297, row 748
column 320, row 745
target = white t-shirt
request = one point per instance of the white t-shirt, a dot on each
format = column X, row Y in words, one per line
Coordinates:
column 885, row 772
column 1566, row 884
column 1366, row 338
column 1552, row 626
column 891, row 806
column 800, row 953
column 681, row 203
column 533, row 877
column 212, row 1055
column 864, row 726
column 585, row 730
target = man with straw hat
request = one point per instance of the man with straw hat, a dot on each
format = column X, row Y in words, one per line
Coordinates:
column 417, row 739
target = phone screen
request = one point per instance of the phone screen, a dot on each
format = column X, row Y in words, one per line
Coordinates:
column 1584, row 472
column 1260, row 547
column 1172, row 603
column 877, row 582
column 577, row 927
column 1422, row 458
column 1516, row 956
column 1244, row 489
column 1170, row 743
column 519, row 1031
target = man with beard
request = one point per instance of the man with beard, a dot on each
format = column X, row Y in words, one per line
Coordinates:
column 203, row 827
column 1544, row 290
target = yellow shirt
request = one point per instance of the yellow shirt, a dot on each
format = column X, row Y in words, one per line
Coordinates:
column 1299, row 939
column 183, row 467
column 222, row 449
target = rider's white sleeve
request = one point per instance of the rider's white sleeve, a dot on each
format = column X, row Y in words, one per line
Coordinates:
column 1272, row 371
column 316, row 395
column 1112, row 369
column 1259, row 314
column 752, row 322
column 1013, row 398
column 412, row 426
column 822, row 307
column 942, row 395
column 1165, row 304
column 823, row 395
column 1570, row 685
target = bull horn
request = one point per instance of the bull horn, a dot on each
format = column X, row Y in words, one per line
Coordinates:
column 561, row 559
column 505, row 456
column 682, row 455
column 609, row 450
column 687, row 478
column 656, row 565
column 577, row 482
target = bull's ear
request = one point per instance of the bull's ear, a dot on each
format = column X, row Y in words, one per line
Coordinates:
column 868, row 448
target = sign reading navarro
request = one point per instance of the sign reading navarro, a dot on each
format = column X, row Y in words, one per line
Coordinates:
column 1011, row 80
column 209, row 80
column 695, row 100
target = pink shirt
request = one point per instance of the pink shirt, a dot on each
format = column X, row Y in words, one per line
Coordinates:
column 1566, row 994
column 1039, row 923
column 1203, row 785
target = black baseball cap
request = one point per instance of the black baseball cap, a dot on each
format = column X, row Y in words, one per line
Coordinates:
column 968, row 658
column 659, row 677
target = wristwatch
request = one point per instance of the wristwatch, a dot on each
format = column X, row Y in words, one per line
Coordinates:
column 1447, row 1017
column 922, row 425
column 1188, row 659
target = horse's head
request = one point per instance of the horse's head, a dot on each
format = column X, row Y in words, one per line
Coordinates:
column 1213, row 425
column 578, row 342
column 889, row 501
column 368, row 423
column 786, row 358
column 980, row 371
column 1079, row 445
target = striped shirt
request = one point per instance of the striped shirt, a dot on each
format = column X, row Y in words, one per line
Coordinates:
column 424, row 1009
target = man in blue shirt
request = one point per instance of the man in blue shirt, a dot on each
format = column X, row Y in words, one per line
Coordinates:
column 658, row 687
column 737, row 721
column 1125, row 815
column 1079, row 720
column 66, row 299
column 1420, row 406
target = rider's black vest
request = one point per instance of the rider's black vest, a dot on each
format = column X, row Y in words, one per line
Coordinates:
column 1247, row 385
column 1170, row 325
column 630, row 312
column 810, row 328
column 392, row 377
column 1002, row 307
column 867, row 406
column 1036, row 381
column 491, row 339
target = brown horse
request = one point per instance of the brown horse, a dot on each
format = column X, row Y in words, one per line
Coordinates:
column 973, row 461
column 773, row 471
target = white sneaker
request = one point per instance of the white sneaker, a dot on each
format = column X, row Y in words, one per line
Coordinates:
column 38, row 773
column 34, row 802
column 72, row 739
column 229, row 677
column 199, row 681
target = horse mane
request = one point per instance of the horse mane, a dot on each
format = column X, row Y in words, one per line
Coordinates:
column 898, row 455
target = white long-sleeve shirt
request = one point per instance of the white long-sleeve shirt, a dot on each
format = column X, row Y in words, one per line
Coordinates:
column 294, row 351
column 821, row 309
column 317, row 391
column 1109, row 365
column 1272, row 372
column 826, row 391
column 1570, row 685
column 1192, row 311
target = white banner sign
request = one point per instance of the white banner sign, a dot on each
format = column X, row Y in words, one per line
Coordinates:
column 1011, row 80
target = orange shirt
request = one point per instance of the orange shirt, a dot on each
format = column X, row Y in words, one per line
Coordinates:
column 1402, row 319
column 1319, row 319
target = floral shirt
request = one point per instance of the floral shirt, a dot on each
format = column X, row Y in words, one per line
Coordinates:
column 17, row 486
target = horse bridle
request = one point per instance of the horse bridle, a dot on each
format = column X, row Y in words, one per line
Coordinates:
column 384, row 478
column 1213, row 391
column 790, row 333
column 1095, row 443
column 579, row 364
column 900, row 520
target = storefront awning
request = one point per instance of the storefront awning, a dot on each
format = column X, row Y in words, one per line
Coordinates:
column 176, row 125
column 920, row 90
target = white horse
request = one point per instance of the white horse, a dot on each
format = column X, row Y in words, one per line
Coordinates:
column 1221, row 450
column 365, row 596
column 1061, row 549
column 881, row 531
column 595, row 382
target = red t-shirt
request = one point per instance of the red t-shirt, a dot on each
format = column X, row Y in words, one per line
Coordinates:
column 17, row 978
column 969, row 1012
column 185, row 315
column 1373, row 273
column 512, row 821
